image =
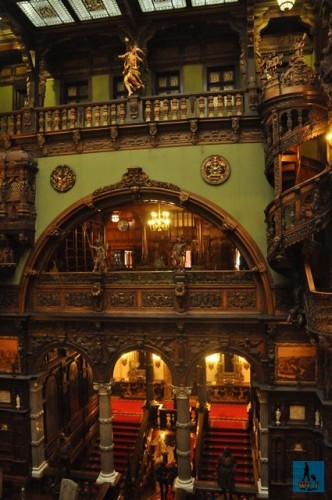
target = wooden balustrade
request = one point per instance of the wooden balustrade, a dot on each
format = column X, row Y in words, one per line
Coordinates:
column 299, row 211
column 104, row 114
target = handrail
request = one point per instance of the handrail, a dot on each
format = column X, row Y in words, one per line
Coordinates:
column 303, row 209
column 134, row 110
column 136, row 459
column 200, row 429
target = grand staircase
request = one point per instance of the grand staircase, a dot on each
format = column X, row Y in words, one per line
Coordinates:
column 238, row 440
column 124, row 437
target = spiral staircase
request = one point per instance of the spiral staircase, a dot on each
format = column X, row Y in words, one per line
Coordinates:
column 295, row 115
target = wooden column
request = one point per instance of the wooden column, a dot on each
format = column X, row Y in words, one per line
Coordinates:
column 39, row 463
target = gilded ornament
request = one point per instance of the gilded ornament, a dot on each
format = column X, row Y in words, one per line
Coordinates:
column 215, row 170
column 62, row 178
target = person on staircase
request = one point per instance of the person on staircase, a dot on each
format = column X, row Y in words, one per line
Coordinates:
column 226, row 466
column 162, row 476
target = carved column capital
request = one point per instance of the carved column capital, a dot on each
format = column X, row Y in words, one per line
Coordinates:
column 103, row 389
column 181, row 392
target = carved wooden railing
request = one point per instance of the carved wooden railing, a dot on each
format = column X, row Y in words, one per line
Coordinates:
column 298, row 212
column 122, row 112
column 318, row 309
column 212, row 291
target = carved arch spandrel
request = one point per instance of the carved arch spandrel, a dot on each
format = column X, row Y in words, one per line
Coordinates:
column 253, row 355
column 136, row 185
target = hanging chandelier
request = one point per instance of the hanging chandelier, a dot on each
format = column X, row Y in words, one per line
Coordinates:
column 286, row 4
column 159, row 221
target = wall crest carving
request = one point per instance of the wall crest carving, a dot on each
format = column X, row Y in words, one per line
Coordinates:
column 215, row 170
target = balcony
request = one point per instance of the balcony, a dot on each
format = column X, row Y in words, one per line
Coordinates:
column 192, row 117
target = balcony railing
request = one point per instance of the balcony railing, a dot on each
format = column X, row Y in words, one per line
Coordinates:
column 123, row 112
column 318, row 308
column 299, row 211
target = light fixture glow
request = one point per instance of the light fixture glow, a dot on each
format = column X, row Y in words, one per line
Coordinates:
column 115, row 217
column 286, row 4
column 159, row 221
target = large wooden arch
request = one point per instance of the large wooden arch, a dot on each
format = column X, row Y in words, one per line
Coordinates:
column 135, row 185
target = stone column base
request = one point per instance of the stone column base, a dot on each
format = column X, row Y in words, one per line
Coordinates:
column 263, row 491
column 187, row 485
column 39, row 472
column 108, row 478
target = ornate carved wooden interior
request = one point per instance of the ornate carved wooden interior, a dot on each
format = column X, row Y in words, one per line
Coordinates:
column 165, row 243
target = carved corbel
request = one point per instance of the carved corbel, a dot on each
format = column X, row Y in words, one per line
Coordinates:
column 77, row 141
column 114, row 137
column 180, row 291
column 183, row 197
column 193, row 126
column 153, row 131
column 228, row 225
column 236, row 129
column 42, row 143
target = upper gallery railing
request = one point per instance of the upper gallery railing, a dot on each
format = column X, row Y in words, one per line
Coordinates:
column 123, row 112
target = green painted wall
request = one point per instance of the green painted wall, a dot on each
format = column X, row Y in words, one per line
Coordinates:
column 193, row 78
column 6, row 98
column 52, row 94
column 100, row 88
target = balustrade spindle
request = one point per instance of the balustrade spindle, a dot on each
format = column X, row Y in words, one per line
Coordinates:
column 11, row 125
column 238, row 104
column 88, row 117
column 210, row 106
column 174, row 108
column 229, row 104
column 41, row 121
column 122, row 113
column 183, row 108
column 64, row 119
column 19, row 124
column 48, row 121
column 165, row 109
column 56, row 119
column 156, row 110
column 113, row 114
column 72, row 117
column 220, row 105
column 105, row 115
column 201, row 107
column 148, row 111
column 97, row 116
column 4, row 125
column 300, row 118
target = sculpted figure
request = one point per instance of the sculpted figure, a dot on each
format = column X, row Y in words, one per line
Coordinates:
column 133, row 60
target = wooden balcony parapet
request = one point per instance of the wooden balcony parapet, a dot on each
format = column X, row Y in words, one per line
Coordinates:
column 122, row 112
column 318, row 310
column 299, row 212
column 132, row 292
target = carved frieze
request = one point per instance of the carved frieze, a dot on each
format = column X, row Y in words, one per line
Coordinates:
column 157, row 300
column 241, row 300
column 123, row 299
column 206, row 300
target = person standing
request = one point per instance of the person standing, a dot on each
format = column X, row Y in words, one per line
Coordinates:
column 162, row 476
column 226, row 466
